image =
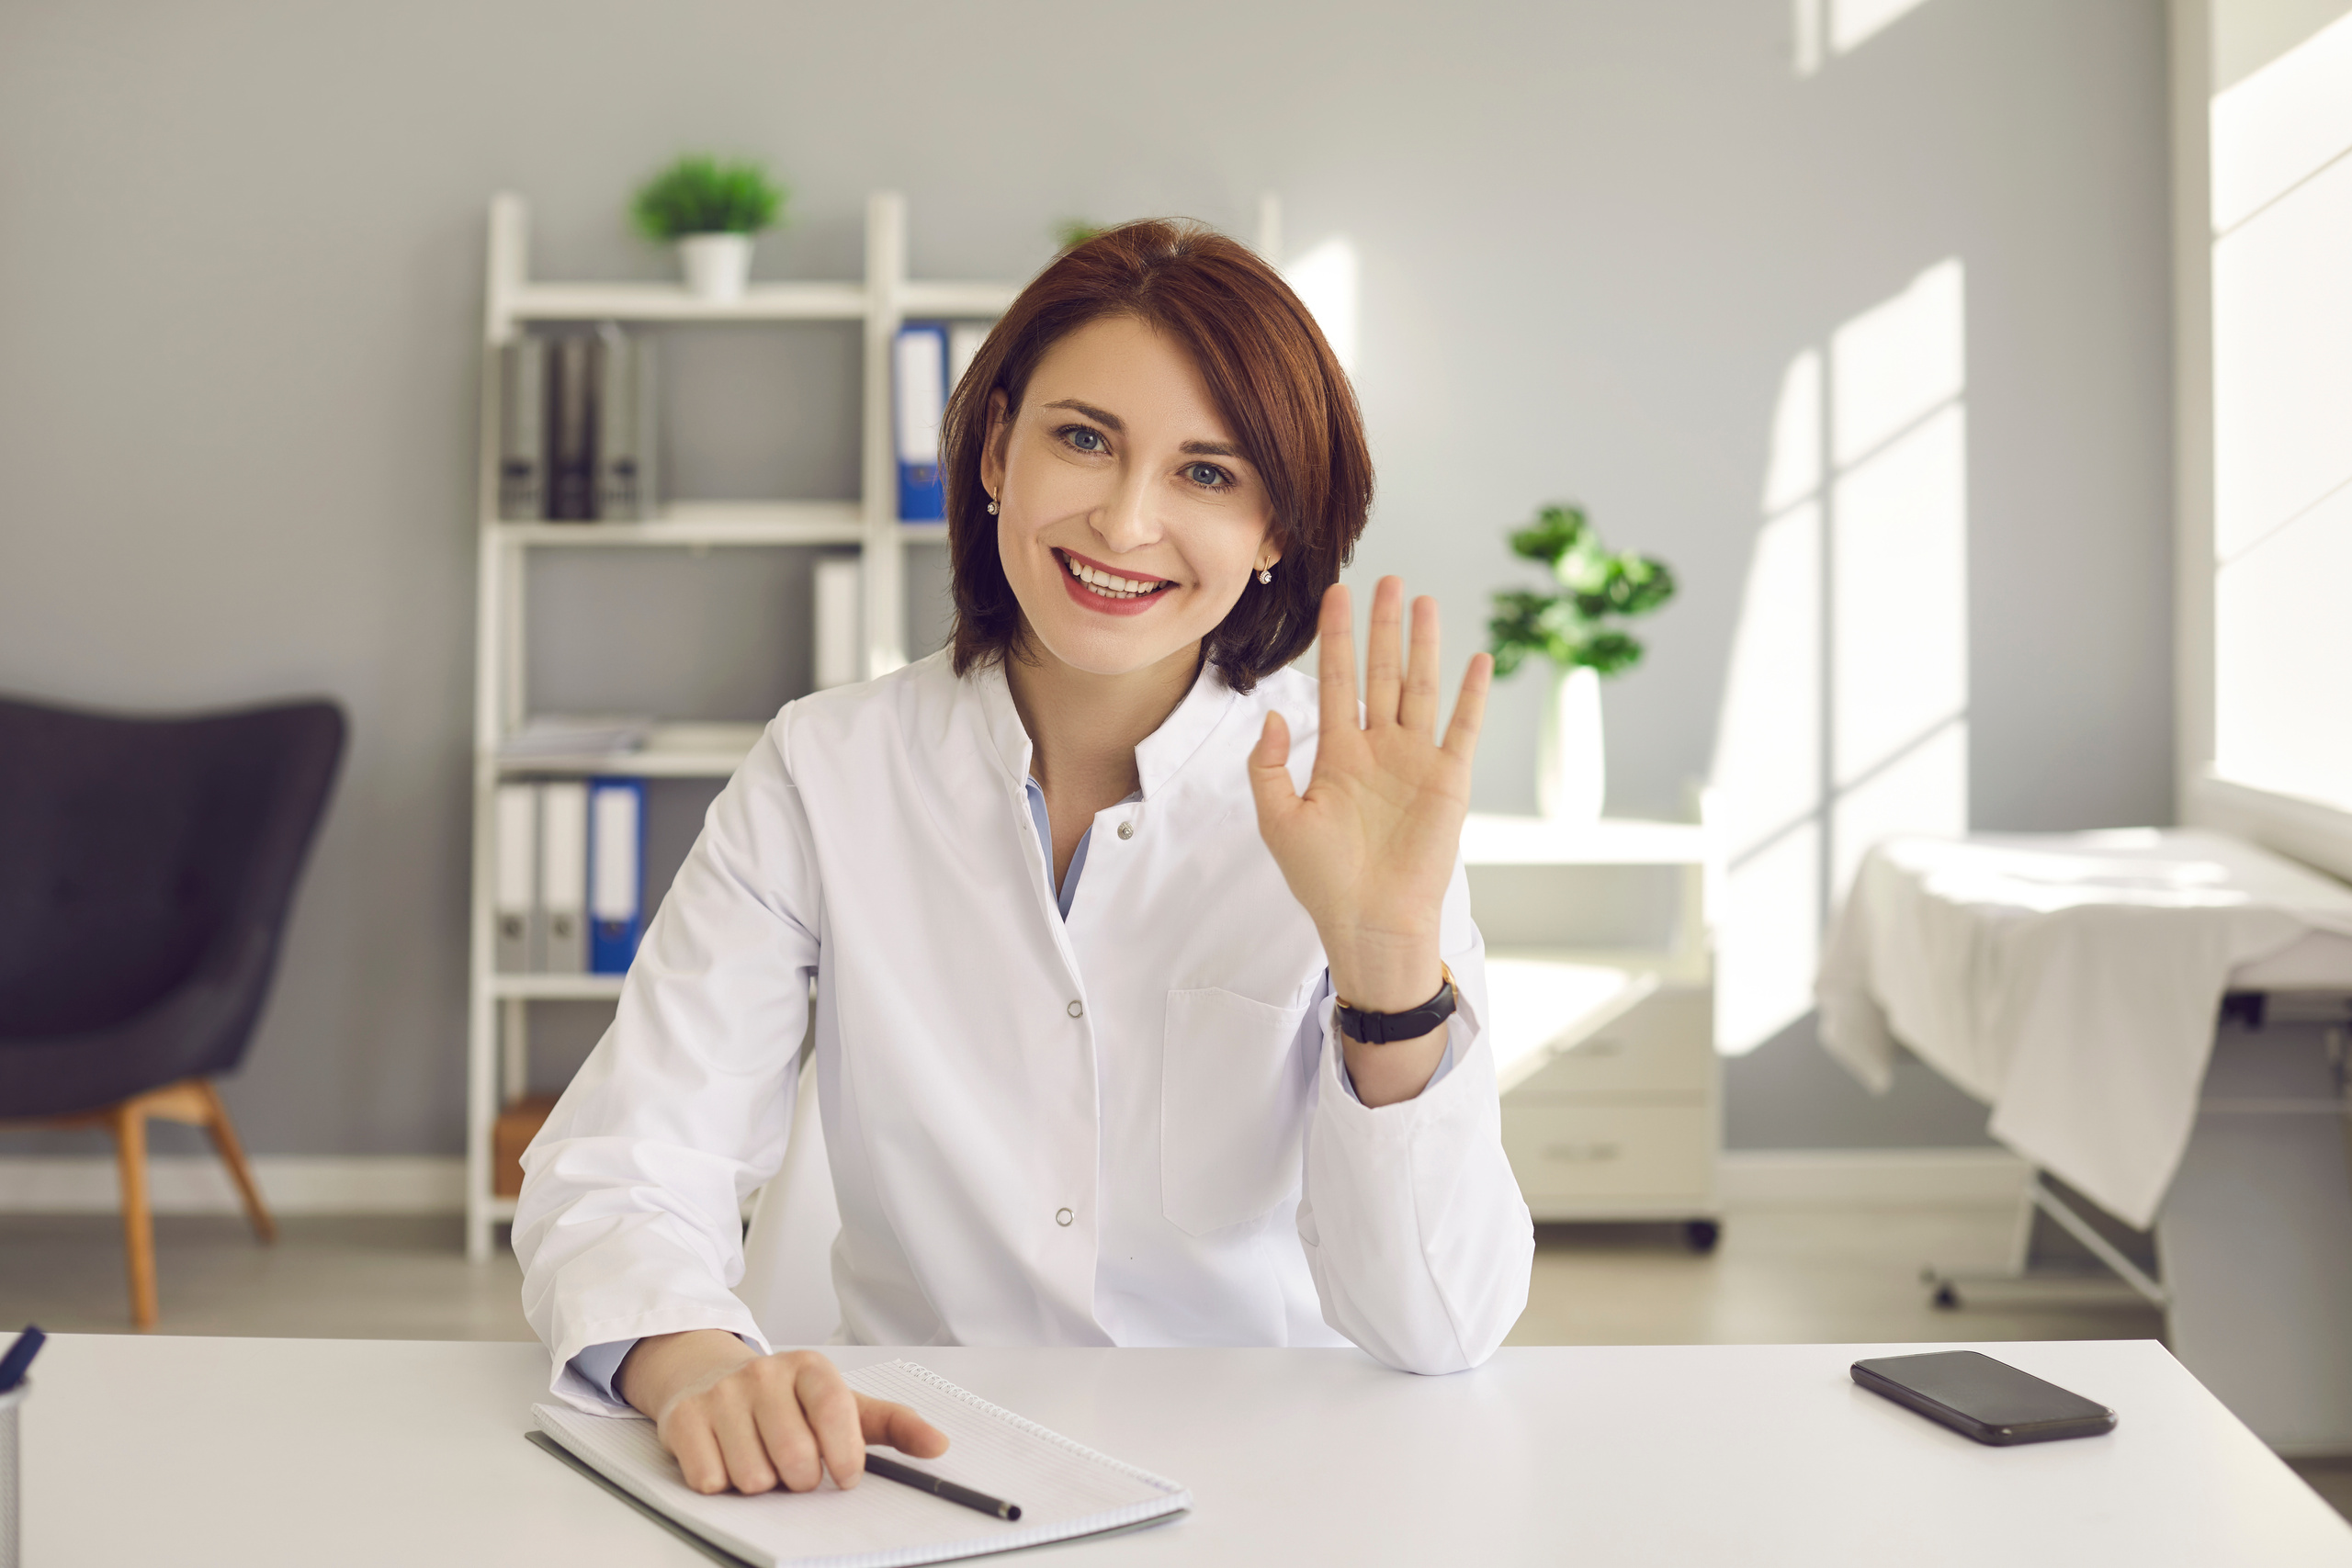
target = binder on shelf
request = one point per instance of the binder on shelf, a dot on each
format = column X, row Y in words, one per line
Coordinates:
column 514, row 896
column 625, row 487
column 522, row 431
column 571, row 429
column 616, row 873
column 964, row 341
column 564, row 876
column 839, row 612
column 918, row 401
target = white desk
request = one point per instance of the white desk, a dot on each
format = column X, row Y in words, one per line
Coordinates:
column 255, row 1452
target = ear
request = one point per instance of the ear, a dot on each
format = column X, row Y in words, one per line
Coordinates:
column 993, row 446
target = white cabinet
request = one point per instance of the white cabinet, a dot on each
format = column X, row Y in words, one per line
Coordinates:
column 1604, row 1021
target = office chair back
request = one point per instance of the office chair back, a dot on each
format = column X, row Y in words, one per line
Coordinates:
column 145, row 864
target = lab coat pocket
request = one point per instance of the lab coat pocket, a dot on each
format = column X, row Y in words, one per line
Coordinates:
column 1233, row 1108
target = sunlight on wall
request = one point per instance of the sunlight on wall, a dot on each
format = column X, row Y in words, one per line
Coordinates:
column 1845, row 706
column 1325, row 281
column 1849, row 24
column 2282, row 421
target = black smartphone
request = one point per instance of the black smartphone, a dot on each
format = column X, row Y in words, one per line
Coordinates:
column 1987, row 1400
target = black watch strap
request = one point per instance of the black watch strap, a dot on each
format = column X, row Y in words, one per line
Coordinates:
column 1380, row 1028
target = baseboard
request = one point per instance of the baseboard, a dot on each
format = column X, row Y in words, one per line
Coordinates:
column 196, row 1184
column 1872, row 1179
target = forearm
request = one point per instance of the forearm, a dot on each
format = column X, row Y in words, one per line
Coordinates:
column 1414, row 1229
column 1375, row 972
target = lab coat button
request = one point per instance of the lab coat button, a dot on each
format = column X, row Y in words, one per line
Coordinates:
column 1078, row 1010
column 1126, row 830
column 1063, row 1217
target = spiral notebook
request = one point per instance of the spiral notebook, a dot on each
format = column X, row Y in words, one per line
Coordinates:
column 1065, row 1489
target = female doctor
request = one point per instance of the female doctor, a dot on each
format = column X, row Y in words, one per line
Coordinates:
column 1120, row 1037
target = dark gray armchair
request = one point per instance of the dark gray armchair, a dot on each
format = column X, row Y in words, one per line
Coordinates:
column 146, row 869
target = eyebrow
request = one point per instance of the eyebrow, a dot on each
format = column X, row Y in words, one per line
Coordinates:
column 1107, row 418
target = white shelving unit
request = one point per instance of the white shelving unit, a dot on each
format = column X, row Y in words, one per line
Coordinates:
column 497, row 1052
column 1612, row 1100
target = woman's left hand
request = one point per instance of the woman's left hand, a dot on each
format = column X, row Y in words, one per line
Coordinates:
column 1368, row 850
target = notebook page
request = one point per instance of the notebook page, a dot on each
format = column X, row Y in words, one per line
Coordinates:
column 1064, row 1488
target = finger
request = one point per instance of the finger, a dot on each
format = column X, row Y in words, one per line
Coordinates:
column 741, row 1444
column 1416, row 709
column 1335, row 665
column 896, row 1427
column 1269, row 781
column 784, row 1439
column 833, row 1420
column 1470, row 707
column 691, row 1442
column 1383, row 665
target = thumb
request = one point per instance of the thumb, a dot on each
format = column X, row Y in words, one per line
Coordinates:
column 1270, row 772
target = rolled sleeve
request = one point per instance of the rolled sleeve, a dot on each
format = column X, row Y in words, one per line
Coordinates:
column 1419, row 1241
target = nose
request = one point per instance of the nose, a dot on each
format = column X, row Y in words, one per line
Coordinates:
column 1125, row 521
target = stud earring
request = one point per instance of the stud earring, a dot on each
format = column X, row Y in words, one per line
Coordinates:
column 992, row 508
column 1265, row 574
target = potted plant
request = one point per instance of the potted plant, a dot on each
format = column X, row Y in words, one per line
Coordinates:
column 709, row 210
column 1570, row 629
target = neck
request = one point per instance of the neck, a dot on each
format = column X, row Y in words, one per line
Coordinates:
column 1084, row 727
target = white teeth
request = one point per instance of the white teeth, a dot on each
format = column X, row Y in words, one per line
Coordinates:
column 1104, row 584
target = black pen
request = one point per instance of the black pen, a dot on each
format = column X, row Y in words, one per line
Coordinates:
column 908, row 1475
column 20, row 1356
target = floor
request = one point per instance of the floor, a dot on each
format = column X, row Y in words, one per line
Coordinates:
column 1783, row 1274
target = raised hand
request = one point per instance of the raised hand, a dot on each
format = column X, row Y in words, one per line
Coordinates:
column 1368, row 850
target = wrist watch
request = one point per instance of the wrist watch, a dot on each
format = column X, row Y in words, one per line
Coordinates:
column 1380, row 1028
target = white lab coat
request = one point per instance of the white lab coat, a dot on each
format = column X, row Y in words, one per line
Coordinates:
column 1123, row 1129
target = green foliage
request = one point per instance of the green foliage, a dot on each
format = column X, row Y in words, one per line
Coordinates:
column 699, row 195
column 1072, row 232
column 1598, row 584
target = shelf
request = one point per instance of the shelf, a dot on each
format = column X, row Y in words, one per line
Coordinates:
column 556, row 987
column 1542, row 1006
column 760, row 302
column 699, row 523
column 966, row 300
column 1537, row 841
column 671, row 302
column 673, row 752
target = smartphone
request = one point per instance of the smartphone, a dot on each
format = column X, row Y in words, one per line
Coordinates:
column 1985, row 1399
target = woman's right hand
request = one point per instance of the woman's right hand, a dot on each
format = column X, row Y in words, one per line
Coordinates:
column 733, row 1418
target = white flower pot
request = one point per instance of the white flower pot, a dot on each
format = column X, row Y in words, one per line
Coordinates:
column 1571, row 771
column 717, row 265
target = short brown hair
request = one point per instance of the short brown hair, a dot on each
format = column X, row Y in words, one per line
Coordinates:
column 1274, row 379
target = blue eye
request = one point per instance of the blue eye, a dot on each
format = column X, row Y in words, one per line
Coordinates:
column 1208, row 476
column 1084, row 439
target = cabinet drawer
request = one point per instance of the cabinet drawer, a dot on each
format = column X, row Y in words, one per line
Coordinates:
column 1614, row 1151
column 1665, row 1044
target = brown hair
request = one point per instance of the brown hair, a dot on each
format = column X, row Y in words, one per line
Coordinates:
column 1274, row 379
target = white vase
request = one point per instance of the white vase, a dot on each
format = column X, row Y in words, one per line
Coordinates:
column 717, row 265
column 1571, row 771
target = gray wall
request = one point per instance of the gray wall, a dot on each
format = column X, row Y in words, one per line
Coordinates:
column 240, row 294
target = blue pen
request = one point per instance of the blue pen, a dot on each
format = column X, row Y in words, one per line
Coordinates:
column 19, row 1357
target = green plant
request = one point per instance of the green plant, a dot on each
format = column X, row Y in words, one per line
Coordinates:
column 1598, row 584
column 1072, row 232
column 699, row 195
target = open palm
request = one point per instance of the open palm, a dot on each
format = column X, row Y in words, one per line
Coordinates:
column 1368, row 850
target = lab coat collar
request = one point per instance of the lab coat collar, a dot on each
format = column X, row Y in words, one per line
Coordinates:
column 1169, row 748
column 1160, row 756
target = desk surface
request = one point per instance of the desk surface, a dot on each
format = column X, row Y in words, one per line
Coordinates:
column 262, row 1451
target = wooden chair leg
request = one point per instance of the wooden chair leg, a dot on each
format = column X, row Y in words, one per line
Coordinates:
column 127, row 1122
column 232, row 1155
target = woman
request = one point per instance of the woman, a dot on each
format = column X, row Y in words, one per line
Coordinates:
column 1120, row 1038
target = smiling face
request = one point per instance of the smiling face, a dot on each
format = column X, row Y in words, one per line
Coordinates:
column 1129, row 522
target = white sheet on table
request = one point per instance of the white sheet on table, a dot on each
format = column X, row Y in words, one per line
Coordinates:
column 2069, row 980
